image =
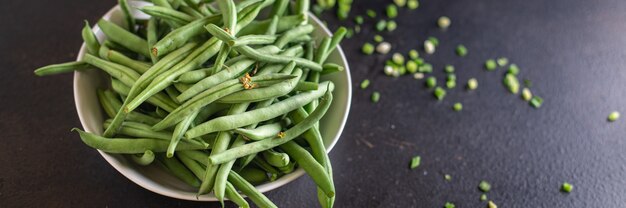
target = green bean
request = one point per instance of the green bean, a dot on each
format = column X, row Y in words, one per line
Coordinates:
column 279, row 8
column 220, row 59
column 221, row 144
column 208, row 111
column 196, row 155
column 331, row 68
column 253, row 40
column 336, row 38
column 292, row 34
column 130, row 145
column 308, row 163
column 190, row 11
column 135, row 129
column 306, row 86
column 246, row 188
column 91, row 42
column 160, row 100
column 128, row 16
column 302, row 8
column 234, row 196
column 116, row 104
column 254, row 54
column 172, row 93
column 262, row 132
column 119, row 58
column 124, row 74
column 234, row 121
column 181, row 35
column 276, row 159
column 261, row 163
column 106, row 105
column 213, row 94
column 61, row 68
column 179, row 170
column 229, row 15
column 179, row 130
column 272, row 26
column 168, row 14
column 195, row 59
column 290, row 134
column 289, row 168
column 152, row 36
column 144, row 159
column 264, row 93
column 202, row 11
column 194, row 76
column 253, row 175
column 116, row 46
column 162, row 3
column 192, row 165
column 124, row 38
column 209, row 82
column 284, row 23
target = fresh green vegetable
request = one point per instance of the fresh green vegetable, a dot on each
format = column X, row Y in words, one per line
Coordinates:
column 613, row 116
column 371, row 13
column 439, row 93
column 413, row 4
column 447, row 177
column 457, row 107
column 358, row 19
column 567, row 187
column 490, row 204
column 431, row 82
column 511, row 83
column 391, row 25
column 383, row 48
column 392, row 11
column 450, row 84
column 413, row 54
column 490, row 65
column 448, row 205
column 378, row 38
column 472, row 84
column 375, row 97
column 484, row 186
column 443, row 22
column 365, row 83
column 426, row 68
column 367, row 48
column 434, row 40
column 526, row 94
column 381, row 25
column 536, row 101
column 449, row 69
column 397, row 59
column 429, row 47
column 415, row 162
column 461, row 50
column 513, row 69
column 400, row 3
column 502, row 61
column 483, row 197
column 411, row 67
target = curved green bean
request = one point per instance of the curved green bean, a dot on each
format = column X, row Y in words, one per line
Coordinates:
column 113, row 101
column 179, row 170
column 234, row 196
column 330, row 68
column 306, row 86
column 261, row 132
column 229, row 14
column 129, row 145
column 310, row 165
column 284, row 23
column 248, row 189
column 123, row 37
column 181, row 35
column 261, row 163
column 293, row 34
column 144, row 159
column 119, row 58
column 192, row 165
column 140, row 130
column 128, row 16
column 122, row 73
column 276, row 159
column 61, row 68
column 253, row 175
column 168, row 14
column 179, row 130
column 93, row 46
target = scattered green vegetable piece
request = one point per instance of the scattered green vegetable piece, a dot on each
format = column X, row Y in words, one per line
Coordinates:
column 398, row 59
column 461, row 50
column 429, row 47
column 317, row 9
column 567, row 187
column 613, row 116
column 457, row 107
column 378, row 38
column 413, row 4
column 536, row 101
column 383, row 48
column 472, row 84
column 484, row 186
column 449, row 69
column 451, row 77
column 502, row 61
column 388, row 70
column 483, row 197
column 434, row 40
column 439, row 93
column 431, row 82
column 365, row 83
column 426, row 68
column 418, row 75
column 443, row 22
column 450, row 84
column 400, row 3
column 413, row 54
column 526, row 94
column 492, row 205
column 415, row 162
column 511, row 83
column 357, row 29
column 401, row 70
column 490, row 65
column 371, row 13
column 411, row 66
column 367, row 48
column 375, row 96
column 419, row 61
column 392, row 11
column 391, row 25
column 358, row 19
column 381, row 25
column 447, row 177
column 513, row 69
column 448, row 205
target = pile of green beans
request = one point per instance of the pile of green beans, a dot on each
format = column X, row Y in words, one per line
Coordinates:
column 224, row 96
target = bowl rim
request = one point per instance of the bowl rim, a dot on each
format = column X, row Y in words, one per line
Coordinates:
column 150, row 185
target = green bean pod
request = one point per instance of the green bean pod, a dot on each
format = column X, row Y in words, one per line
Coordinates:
column 234, row 196
column 229, row 14
column 248, row 189
column 253, row 175
column 124, row 38
column 61, row 68
column 284, row 23
column 122, row 73
column 128, row 16
column 93, row 46
column 119, row 58
column 276, row 159
column 113, row 101
column 160, row 100
column 168, row 14
column 181, row 35
column 253, row 40
column 306, row 86
column 261, row 163
column 293, row 34
column 302, row 7
column 280, row 7
column 272, row 26
column 261, row 132
column 130, row 145
column 144, row 159
column 234, row 121
column 194, row 76
column 179, row 170
column 140, row 130
column 311, row 166
column 192, row 165
column 264, row 93
column 152, row 36
column 179, row 130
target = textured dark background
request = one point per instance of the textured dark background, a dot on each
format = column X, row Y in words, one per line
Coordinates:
column 572, row 50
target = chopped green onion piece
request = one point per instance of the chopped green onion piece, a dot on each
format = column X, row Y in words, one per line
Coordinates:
column 418, row 75
column 357, row 29
column 450, row 84
column 378, row 38
column 526, row 94
column 371, row 13
column 472, row 84
column 391, row 25
column 490, row 65
column 567, row 187
column 397, row 58
column 426, row 68
column 443, row 22
column 375, row 97
column 400, row 3
column 484, row 186
column 358, row 19
column 461, row 50
column 413, row 4
column 415, row 162
column 431, row 82
column 439, row 93
column 429, row 47
column 449, row 69
column 349, row 33
column 419, row 61
column 536, row 101
column 389, row 70
column 491, row 205
column 457, row 107
column 411, row 66
column 613, row 116
column 447, row 177
column 383, row 48
column 401, row 70
column 392, row 11
column 365, row 83
column 381, row 25
column 511, row 83
column 413, row 54
column 451, row 77
column 513, row 69
column 483, row 197
column 448, row 205
column 367, row 48
column 502, row 61
column 434, row 40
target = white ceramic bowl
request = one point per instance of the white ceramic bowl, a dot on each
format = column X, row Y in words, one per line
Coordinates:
column 157, row 180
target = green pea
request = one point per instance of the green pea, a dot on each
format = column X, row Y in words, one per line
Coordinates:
column 411, row 67
column 365, row 83
column 536, row 101
column 513, row 69
column 381, row 25
column 413, row 4
column 461, row 50
column 490, row 65
column 449, row 69
column 391, row 25
column 367, row 48
column 375, row 96
column 392, row 11
column 439, row 93
column 613, row 116
column 397, row 59
column 472, row 84
column 413, row 54
column 431, row 82
column 358, row 19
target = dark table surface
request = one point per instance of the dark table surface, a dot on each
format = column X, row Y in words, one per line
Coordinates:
column 572, row 50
